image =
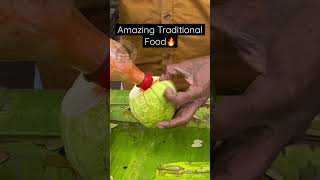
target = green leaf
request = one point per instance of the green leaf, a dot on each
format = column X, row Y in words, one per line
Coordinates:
column 184, row 171
column 297, row 162
column 137, row 152
column 21, row 107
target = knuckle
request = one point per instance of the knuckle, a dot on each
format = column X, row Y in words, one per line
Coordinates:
column 190, row 94
column 172, row 124
column 170, row 67
column 167, row 68
column 170, row 96
column 179, row 100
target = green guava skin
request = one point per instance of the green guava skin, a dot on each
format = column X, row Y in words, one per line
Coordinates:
column 85, row 141
column 150, row 106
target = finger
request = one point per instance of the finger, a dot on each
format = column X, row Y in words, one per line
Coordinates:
column 161, row 77
column 183, row 116
column 169, row 72
column 183, row 97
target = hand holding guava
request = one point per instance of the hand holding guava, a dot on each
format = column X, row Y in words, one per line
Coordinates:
column 197, row 73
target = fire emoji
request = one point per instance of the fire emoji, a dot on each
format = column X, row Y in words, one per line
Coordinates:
column 171, row 42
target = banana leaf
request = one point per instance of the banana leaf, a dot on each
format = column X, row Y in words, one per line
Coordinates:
column 30, row 161
column 296, row 162
column 138, row 153
column 184, row 171
column 30, row 113
column 30, row 136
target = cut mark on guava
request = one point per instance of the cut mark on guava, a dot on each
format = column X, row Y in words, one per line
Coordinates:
column 165, row 108
column 145, row 100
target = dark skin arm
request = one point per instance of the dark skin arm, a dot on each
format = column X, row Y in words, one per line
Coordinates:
column 279, row 105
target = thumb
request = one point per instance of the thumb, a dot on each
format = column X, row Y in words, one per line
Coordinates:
column 181, row 98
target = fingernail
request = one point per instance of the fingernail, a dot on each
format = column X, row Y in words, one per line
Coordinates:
column 160, row 126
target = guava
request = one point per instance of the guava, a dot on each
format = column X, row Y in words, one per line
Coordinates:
column 84, row 130
column 85, row 141
column 150, row 106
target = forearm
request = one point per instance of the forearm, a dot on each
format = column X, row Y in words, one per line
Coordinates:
column 50, row 31
column 81, row 45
